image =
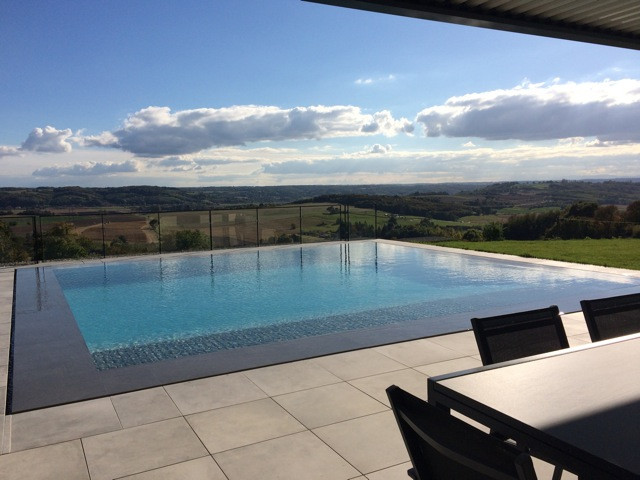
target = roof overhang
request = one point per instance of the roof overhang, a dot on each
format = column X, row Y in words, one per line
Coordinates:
column 607, row 22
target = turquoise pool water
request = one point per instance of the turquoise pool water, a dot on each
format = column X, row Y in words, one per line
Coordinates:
column 181, row 305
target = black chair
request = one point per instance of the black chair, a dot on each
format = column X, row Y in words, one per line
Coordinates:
column 517, row 335
column 612, row 317
column 442, row 447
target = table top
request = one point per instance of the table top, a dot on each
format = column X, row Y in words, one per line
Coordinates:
column 578, row 406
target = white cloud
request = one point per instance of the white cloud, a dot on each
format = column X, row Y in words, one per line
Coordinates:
column 372, row 80
column 48, row 140
column 608, row 110
column 377, row 148
column 7, row 151
column 157, row 131
column 564, row 160
column 87, row 169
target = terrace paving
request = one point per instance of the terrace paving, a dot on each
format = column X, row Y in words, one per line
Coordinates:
column 322, row 418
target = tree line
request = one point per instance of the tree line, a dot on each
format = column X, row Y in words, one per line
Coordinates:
column 577, row 221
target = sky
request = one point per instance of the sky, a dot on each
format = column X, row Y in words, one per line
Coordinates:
column 286, row 92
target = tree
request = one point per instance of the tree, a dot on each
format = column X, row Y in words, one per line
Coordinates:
column 493, row 232
column 11, row 248
column 632, row 214
column 191, row 240
column 61, row 242
column 472, row 235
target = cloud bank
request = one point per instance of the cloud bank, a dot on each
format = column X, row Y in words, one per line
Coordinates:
column 157, row 131
column 87, row 169
column 608, row 110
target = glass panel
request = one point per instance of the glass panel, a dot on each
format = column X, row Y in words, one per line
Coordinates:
column 16, row 235
column 73, row 236
column 234, row 228
column 279, row 225
column 320, row 223
column 185, row 231
column 130, row 234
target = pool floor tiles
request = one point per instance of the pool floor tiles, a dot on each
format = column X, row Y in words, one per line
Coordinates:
column 323, row 418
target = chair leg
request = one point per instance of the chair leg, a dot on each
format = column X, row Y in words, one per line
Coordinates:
column 412, row 473
column 557, row 473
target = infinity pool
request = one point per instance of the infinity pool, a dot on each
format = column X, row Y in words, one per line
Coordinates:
column 140, row 311
column 87, row 330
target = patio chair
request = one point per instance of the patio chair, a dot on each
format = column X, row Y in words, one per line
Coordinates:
column 442, row 447
column 517, row 335
column 612, row 317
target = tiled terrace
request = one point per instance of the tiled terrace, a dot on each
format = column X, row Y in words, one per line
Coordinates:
column 324, row 418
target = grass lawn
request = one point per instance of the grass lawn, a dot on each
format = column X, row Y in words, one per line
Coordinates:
column 618, row 252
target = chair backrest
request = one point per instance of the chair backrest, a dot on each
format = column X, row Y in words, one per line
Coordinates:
column 442, row 447
column 612, row 317
column 520, row 334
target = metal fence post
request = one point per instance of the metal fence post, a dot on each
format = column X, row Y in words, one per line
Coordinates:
column 300, row 216
column 104, row 247
column 375, row 221
column 210, row 231
column 35, row 238
column 41, row 236
column 257, row 226
column 159, row 235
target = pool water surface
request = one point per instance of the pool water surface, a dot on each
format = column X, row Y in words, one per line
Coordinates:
column 195, row 304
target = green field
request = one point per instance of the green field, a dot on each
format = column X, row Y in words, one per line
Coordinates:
column 618, row 253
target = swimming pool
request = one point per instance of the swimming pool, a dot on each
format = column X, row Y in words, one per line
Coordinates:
column 120, row 325
column 143, row 311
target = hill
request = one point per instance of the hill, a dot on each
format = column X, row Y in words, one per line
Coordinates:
column 446, row 201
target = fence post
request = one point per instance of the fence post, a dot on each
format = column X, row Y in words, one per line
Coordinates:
column 35, row 238
column 375, row 220
column 104, row 247
column 300, row 215
column 159, row 235
column 210, row 231
column 257, row 226
column 41, row 236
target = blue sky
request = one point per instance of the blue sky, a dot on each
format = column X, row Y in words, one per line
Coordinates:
column 280, row 92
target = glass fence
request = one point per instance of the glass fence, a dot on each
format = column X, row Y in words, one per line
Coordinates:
column 28, row 238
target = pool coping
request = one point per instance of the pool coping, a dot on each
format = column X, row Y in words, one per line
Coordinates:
column 55, row 366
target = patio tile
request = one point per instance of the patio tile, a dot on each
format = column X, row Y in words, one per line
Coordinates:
column 449, row 366
column 360, row 363
column 418, row 352
column 397, row 472
column 291, row 377
column 213, row 392
column 239, row 425
column 5, row 328
column 464, row 342
column 200, row 469
column 144, row 406
column 329, row 404
column 294, row 457
column 577, row 340
column 59, row 424
column 408, row 379
column 53, row 462
column 369, row 443
column 138, row 449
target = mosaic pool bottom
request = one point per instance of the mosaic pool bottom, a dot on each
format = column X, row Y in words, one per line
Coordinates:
column 156, row 351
